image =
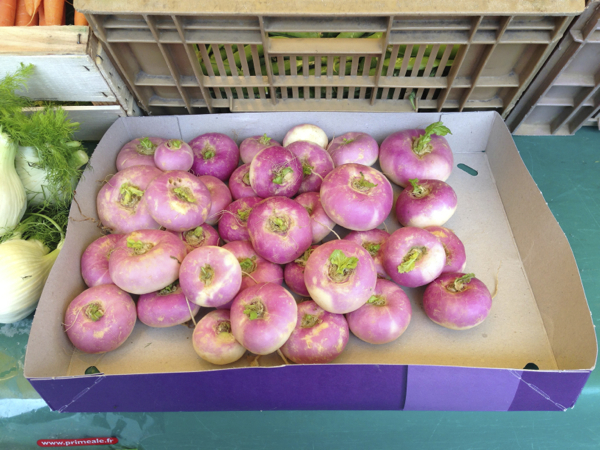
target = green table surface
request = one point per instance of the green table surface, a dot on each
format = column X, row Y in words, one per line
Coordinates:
column 567, row 171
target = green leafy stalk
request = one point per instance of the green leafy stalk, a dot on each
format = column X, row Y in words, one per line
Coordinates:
column 248, row 265
column 372, row 248
column 307, row 169
column 280, row 175
column 304, row 258
column 412, row 97
column 362, row 184
column 458, row 284
column 264, row 139
column 421, row 144
column 376, row 300
column 146, row 147
column 409, row 260
column 244, row 213
column 174, row 144
column 341, row 262
column 130, row 194
column 417, row 189
column 208, row 152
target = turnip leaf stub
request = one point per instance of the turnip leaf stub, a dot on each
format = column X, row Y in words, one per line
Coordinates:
column 342, row 262
column 410, row 259
column 421, row 144
column 459, row 284
column 280, row 175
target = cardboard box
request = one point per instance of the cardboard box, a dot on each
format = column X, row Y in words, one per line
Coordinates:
column 539, row 315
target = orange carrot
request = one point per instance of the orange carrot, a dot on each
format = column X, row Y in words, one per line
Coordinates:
column 8, row 12
column 53, row 11
column 42, row 14
column 23, row 18
column 29, row 7
column 80, row 19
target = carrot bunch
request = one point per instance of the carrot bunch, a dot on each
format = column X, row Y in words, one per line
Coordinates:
column 35, row 12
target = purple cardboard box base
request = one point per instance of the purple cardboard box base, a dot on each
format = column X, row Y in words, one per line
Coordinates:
column 319, row 387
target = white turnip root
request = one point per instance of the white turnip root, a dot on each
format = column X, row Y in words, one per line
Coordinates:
column 425, row 203
column 456, row 257
column 355, row 147
column 94, row 260
column 234, row 219
column 165, row 308
column 254, row 144
column 213, row 341
column 372, row 241
column 275, row 171
column 254, row 268
column 320, row 222
column 316, row 164
column 239, row 183
column 293, row 273
column 201, row 236
column 174, row 154
column 215, row 154
column 220, row 197
column 139, row 152
column 306, row 132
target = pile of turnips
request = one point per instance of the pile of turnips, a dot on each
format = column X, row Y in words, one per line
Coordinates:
column 171, row 204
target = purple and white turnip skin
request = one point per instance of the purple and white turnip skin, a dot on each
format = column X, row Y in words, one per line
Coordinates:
column 306, row 132
column 457, row 301
column 263, row 317
column 213, row 340
column 174, row 154
column 340, row 276
column 425, row 203
column 357, row 197
column 100, row 319
column 254, row 268
column 279, row 229
column 384, row 317
column 320, row 222
column 275, row 171
column 220, row 197
column 372, row 241
column 354, row 147
column 145, row 261
column 215, row 154
column 413, row 257
column 293, row 273
column 316, row 164
column 120, row 202
column 165, row 308
column 139, row 152
column 456, row 257
column 239, row 183
column 178, row 200
column 254, row 144
column 200, row 236
column 234, row 221
column 421, row 154
column 94, row 260
column 319, row 336
column 210, row 276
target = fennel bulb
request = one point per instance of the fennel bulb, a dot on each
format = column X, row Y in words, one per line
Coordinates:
column 13, row 201
column 25, row 268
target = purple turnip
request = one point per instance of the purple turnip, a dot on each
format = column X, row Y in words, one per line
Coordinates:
column 215, row 154
column 275, row 171
column 340, row 276
column 213, row 341
column 425, row 203
column 145, row 261
column 94, row 260
column 413, row 257
column 178, row 200
column 456, row 257
column 201, row 236
column 174, row 154
column 384, row 317
column 359, row 148
column 254, row 268
column 316, row 164
column 373, row 242
column 252, row 145
column 120, row 203
column 293, row 274
column 139, row 152
column 220, row 197
column 319, row 336
column 165, row 308
column 457, row 301
column 306, row 132
column 239, row 183
column 210, row 276
column 263, row 317
column 320, row 222
column 100, row 319
column 421, row 154
column 279, row 229
column 234, row 219
column 357, row 197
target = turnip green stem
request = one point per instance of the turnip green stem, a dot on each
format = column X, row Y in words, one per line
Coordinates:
column 307, row 169
column 279, row 224
column 255, row 309
column 244, row 213
column 362, row 184
column 309, row 321
column 170, row 288
column 278, row 176
column 130, row 195
column 458, row 285
column 207, row 273
column 146, row 147
column 208, row 152
column 418, row 190
column 224, row 327
column 372, row 248
column 302, row 260
column 342, row 262
column 246, row 179
column 94, row 311
column 409, row 260
column 376, row 300
column 347, row 141
column 185, row 194
column 139, row 247
column 194, row 237
column 248, row 265
column 264, row 139
column 421, row 145
column 174, row 144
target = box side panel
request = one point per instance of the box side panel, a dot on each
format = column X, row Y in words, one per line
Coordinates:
column 546, row 255
column 316, row 387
